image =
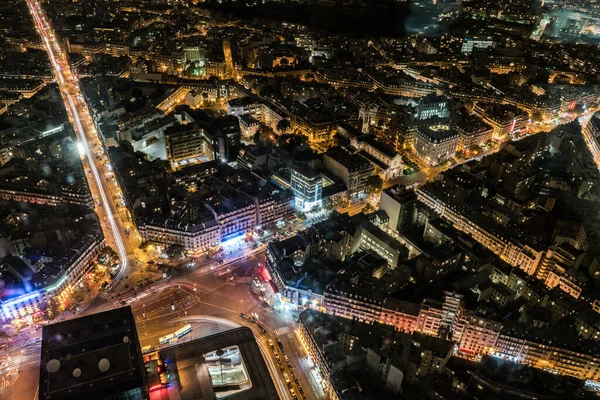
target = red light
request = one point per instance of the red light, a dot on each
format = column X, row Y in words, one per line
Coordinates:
column 265, row 274
column 156, row 387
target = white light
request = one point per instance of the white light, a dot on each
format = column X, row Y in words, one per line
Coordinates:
column 81, row 149
column 85, row 146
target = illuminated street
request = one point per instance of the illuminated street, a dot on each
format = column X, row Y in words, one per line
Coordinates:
column 199, row 297
column 299, row 200
column 176, row 300
column 89, row 143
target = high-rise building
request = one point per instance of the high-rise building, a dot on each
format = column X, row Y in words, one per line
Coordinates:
column 307, row 186
column 591, row 135
column 435, row 144
column 227, row 135
column 188, row 143
column 400, row 205
column 353, row 169
column 93, row 357
column 194, row 54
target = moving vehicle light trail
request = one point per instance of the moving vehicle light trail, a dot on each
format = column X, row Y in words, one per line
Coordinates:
column 70, row 89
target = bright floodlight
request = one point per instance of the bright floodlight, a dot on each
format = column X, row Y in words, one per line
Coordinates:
column 81, row 149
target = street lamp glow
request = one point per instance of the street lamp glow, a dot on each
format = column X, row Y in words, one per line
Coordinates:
column 61, row 68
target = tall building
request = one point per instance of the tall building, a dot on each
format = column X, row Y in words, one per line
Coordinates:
column 188, row 143
column 307, row 186
column 229, row 68
column 435, row 144
column 194, row 54
column 227, row 137
column 93, row 357
column 353, row 169
column 400, row 205
column 591, row 135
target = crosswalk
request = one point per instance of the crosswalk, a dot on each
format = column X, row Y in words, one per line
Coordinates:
column 244, row 279
column 104, row 294
column 284, row 330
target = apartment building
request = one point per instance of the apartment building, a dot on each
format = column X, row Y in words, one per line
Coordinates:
column 54, row 282
column 591, row 135
column 188, row 143
column 435, row 144
column 353, row 169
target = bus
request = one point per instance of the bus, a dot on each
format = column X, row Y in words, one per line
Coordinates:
column 165, row 339
column 183, row 331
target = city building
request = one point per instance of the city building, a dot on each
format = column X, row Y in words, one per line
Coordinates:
column 52, row 197
column 430, row 106
column 93, row 357
column 370, row 237
column 190, row 225
column 435, row 144
column 307, row 186
column 479, row 43
column 473, row 134
column 194, row 54
column 506, row 120
column 253, row 157
column 40, row 268
column 387, row 162
column 485, row 230
column 591, row 135
column 226, row 364
column 400, row 205
column 353, row 169
column 245, row 106
column 249, row 126
column 54, row 282
column 188, row 143
column 226, row 136
column 274, row 206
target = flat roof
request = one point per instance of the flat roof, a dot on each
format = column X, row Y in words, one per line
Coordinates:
column 91, row 357
column 190, row 375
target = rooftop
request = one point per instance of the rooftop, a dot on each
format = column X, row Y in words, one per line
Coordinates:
column 437, row 133
column 194, row 379
column 353, row 162
column 91, row 357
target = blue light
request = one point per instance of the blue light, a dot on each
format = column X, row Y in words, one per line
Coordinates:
column 22, row 298
column 233, row 239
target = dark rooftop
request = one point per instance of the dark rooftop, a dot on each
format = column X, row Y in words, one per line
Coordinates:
column 191, row 377
column 91, row 357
